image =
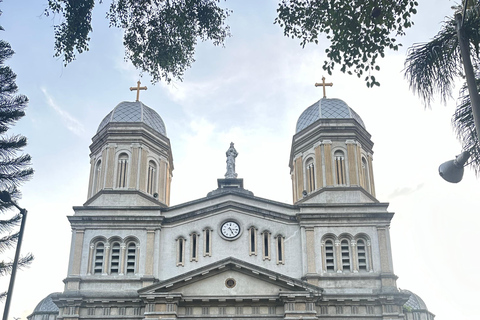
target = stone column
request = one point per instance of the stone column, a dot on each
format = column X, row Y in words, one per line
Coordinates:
column 106, row 259
column 319, row 167
column 310, row 245
column 299, row 176
column 142, row 171
column 353, row 250
column 123, row 255
column 109, row 165
column 133, row 181
column 327, row 153
column 370, row 172
column 149, row 257
column 352, row 162
column 338, row 256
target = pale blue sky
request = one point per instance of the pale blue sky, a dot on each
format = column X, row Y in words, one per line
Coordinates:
column 251, row 92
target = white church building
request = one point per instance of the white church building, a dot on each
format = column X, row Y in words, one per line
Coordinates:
column 231, row 255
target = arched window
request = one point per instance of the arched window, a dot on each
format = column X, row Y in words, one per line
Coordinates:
column 366, row 180
column 122, row 169
column 131, row 259
column 340, row 168
column 99, row 258
column 194, row 247
column 362, row 255
column 310, row 172
column 329, row 256
column 266, row 245
column 280, row 249
column 345, row 249
column 152, row 177
column 252, row 239
column 207, row 242
column 115, row 258
column 181, row 251
column 96, row 177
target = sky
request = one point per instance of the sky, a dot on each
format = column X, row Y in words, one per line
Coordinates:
column 250, row 92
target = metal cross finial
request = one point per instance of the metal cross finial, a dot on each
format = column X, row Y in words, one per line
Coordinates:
column 138, row 88
column 323, row 84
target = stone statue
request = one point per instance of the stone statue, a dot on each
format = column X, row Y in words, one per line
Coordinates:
column 231, row 155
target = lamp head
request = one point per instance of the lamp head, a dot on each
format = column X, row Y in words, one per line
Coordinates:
column 452, row 171
column 5, row 196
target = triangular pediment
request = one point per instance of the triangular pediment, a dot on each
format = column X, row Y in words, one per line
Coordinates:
column 229, row 277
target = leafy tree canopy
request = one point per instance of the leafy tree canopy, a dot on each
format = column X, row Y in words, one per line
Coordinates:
column 159, row 36
column 359, row 30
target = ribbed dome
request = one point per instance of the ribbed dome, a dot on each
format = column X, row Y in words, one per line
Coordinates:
column 46, row 305
column 414, row 302
column 326, row 109
column 127, row 111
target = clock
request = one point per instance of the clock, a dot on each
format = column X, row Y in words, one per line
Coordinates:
column 230, row 229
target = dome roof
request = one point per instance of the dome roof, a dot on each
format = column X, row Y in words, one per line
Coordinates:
column 414, row 302
column 46, row 305
column 127, row 111
column 326, row 109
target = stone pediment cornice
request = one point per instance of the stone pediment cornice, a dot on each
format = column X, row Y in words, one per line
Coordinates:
column 260, row 274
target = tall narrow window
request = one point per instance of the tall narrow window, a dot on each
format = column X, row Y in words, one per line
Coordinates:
column 194, row 247
column 329, row 256
column 252, row 236
column 152, row 177
column 207, row 242
column 345, row 248
column 340, row 168
column 122, row 170
column 280, row 250
column 362, row 255
column 366, row 180
column 310, row 175
column 96, row 180
column 99, row 258
column 115, row 258
column 180, row 251
column 266, row 245
column 131, row 257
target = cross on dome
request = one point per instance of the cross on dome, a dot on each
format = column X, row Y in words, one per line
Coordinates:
column 138, row 88
column 323, row 84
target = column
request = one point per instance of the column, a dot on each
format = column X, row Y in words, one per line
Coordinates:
column 327, row 148
column 352, row 162
column 319, row 166
column 299, row 176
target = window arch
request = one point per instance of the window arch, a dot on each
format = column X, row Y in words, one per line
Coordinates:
column 329, row 255
column 194, row 246
column 280, row 246
column 181, row 251
column 98, row 257
column 340, row 174
column 310, row 175
column 207, row 242
column 115, row 256
column 152, row 177
column 122, row 170
column 266, row 245
column 131, row 258
column 346, row 255
column 96, row 177
column 252, row 241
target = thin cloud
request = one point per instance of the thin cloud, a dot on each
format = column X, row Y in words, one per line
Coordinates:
column 405, row 191
column 69, row 121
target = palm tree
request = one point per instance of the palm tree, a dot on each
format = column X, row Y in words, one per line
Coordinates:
column 431, row 69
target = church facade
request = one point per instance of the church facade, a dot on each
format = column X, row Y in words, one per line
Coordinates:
column 231, row 255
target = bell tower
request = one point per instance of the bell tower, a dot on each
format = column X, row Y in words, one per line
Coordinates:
column 332, row 151
column 131, row 154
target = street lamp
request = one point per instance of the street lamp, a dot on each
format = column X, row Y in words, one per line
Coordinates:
column 452, row 171
column 5, row 197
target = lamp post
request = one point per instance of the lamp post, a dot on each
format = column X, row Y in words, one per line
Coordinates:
column 5, row 197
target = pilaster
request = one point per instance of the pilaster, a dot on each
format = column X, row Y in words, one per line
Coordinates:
column 327, row 148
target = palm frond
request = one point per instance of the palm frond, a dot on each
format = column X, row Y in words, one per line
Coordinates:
column 23, row 262
column 431, row 67
column 464, row 127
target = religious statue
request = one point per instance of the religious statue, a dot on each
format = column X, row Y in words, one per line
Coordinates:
column 231, row 155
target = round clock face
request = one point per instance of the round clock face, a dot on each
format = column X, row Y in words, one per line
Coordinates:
column 230, row 229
